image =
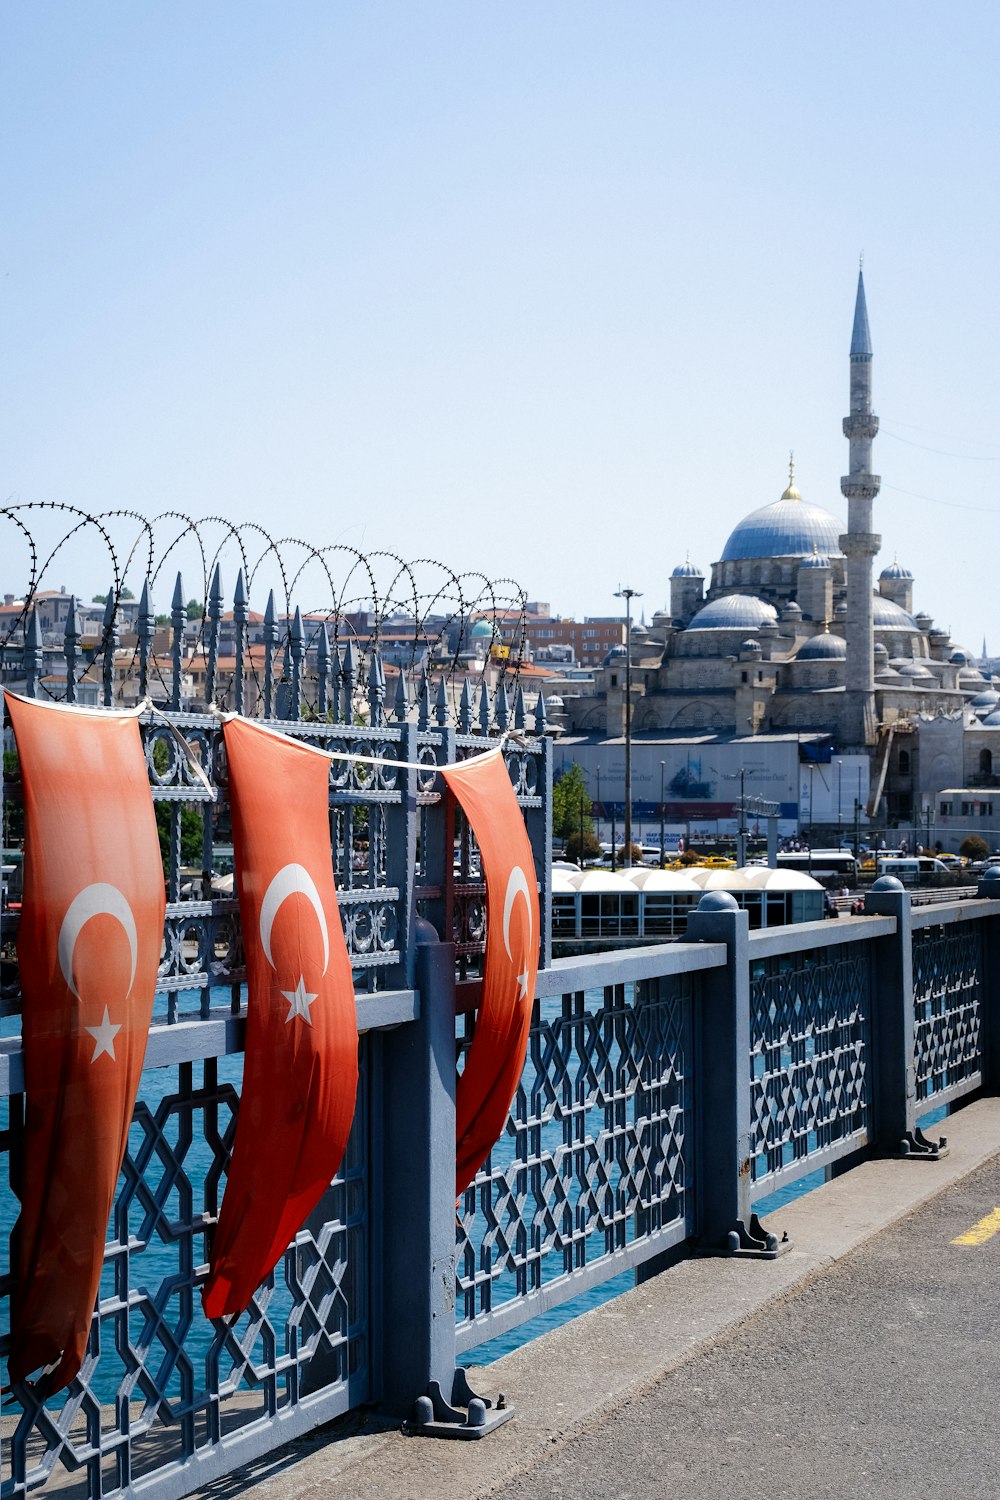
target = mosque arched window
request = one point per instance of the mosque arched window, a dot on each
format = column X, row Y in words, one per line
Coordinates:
column 986, row 763
column 904, row 762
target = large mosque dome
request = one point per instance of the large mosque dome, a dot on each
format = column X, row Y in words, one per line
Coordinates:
column 790, row 527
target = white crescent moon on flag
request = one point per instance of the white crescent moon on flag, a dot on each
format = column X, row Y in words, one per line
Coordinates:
column 517, row 885
column 94, row 900
column 289, row 880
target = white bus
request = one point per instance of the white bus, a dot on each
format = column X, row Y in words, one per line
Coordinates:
column 822, row 863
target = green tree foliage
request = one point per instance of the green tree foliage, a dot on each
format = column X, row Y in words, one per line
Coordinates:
column 195, row 609
column 192, row 840
column 571, row 804
column 591, row 847
column 124, row 597
column 191, row 833
column 13, row 807
column 974, row 847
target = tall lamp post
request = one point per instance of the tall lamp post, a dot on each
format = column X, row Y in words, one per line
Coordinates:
column 600, row 812
column 628, row 594
column 840, row 804
column 663, row 846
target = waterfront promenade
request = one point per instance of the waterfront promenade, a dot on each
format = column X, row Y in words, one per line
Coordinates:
column 862, row 1363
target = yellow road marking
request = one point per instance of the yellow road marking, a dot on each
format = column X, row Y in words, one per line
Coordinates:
column 981, row 1232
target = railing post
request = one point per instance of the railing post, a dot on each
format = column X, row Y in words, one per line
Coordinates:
column 989, row 887
column 894, row 1106
column 540, row 833
column 725, row 1223
column 417, row 1197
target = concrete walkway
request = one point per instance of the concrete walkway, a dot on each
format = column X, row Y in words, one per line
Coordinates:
column 801, row 1377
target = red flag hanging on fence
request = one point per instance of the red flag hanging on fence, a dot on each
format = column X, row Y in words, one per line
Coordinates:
column 88, row 947
column 300, row 1074
column 499, row 1045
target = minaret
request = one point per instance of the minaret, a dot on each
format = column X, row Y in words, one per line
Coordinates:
column 860, row 544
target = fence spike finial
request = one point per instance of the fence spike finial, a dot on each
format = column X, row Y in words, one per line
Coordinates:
column 402, row 704
column 322, row 671
column 178, row 620
column 441, row 703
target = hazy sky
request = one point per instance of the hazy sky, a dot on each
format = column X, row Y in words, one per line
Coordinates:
column 542, row 289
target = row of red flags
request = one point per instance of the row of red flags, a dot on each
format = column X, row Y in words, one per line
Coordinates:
column 89, row 947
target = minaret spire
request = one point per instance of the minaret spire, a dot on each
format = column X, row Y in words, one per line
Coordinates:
column 860, row 543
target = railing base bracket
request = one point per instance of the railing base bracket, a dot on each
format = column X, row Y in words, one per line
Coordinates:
column 755, row 1243
column 918, row 1147
column 473, row 1417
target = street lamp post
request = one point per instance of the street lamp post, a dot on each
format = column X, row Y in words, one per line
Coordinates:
column 663, row 846
column 741, row 827
column 840, row 804
column 600, row 807
column 628, row 594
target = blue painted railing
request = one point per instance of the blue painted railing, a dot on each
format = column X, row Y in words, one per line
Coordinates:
column 665, row 1090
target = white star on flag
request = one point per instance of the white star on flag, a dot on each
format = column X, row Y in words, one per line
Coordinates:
column 104, row 1037
column 299, row 1002
column 522, row 980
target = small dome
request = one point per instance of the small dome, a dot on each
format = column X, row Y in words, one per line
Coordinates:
column 639, row 628
column 895, row 570
column 959, row 658
column 482, row 630
column 992, row 719
column 792, row 611
column 615, row 654
column 988, row 698
column 915, row 671
column 687, row 569
column 753, row 647
column 881, row 654
column 889, row 616
column 817, row 560
column 734, row 612
column 823, row 647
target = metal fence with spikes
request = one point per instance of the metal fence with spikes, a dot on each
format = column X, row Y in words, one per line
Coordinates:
column 167, row 1400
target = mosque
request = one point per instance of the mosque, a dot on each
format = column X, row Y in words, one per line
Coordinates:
column 792, row 633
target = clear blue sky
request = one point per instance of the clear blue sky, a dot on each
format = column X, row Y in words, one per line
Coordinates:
column 543, row 289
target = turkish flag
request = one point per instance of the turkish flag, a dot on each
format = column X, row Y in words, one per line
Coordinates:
column 495, row 1058
column 300, row 1074
column 89, row 948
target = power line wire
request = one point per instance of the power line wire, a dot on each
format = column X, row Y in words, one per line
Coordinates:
column 985, row 510
column 979, row 458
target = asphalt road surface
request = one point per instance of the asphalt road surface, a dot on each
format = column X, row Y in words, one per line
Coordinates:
column 881, row 1379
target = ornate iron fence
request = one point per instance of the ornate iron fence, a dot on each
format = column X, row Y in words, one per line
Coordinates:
column 592, row 1176
column 948, row 999
column 810, row 1057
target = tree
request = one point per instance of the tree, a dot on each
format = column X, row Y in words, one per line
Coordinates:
column 123, row 597
column 192, row 835
column 973, row 847
column 195, row 609
column 591, row 847
column 571, row 804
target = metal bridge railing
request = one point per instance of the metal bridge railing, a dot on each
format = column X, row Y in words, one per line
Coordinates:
column 667, row 1089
